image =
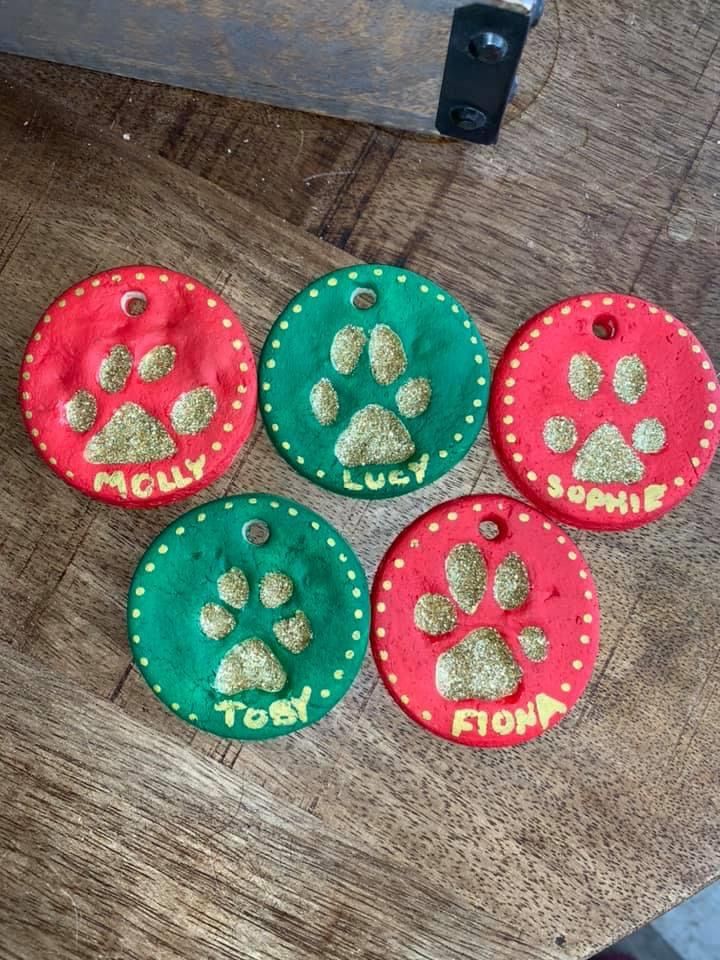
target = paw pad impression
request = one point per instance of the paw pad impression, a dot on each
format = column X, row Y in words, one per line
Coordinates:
column 603, row 411
column 251, row 663
column 373, row 400
column 480, row 665
column 132, row 435
column 138, row 386
column 375, row 434
column 485, row 621
column 249, row 616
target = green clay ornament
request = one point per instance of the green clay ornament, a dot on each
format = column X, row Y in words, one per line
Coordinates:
column 373, row 382
column 248, row 617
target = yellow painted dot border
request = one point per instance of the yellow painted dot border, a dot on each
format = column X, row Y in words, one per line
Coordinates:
column 425, row 534
column 533, row 332
column 162, row 547
column 109, row 278
column 310, row 294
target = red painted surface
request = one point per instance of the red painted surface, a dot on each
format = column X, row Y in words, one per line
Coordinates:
column 681, row 393
column 77, row 332
column 562, row 593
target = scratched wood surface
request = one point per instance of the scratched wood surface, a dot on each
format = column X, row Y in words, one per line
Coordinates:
column 124, row 833
column 381, row 62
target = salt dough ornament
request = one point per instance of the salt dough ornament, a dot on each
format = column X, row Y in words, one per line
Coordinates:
column 374, row 382
column 603, row 411
column 485, row 622
column 138, row 386
column 249, row 617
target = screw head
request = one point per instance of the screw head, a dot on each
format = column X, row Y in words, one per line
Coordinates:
column 488, row 47
column 468, row 118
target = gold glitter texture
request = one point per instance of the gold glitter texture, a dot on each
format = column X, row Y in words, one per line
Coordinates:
column 115, row 369
column 435, row 614
column 413, row 397
column 156, row 363
column 630, row 379
column 606, row 458
column 275, row 589
column 250, row 665
column 324, row 402
column 130, row 436
column 649, row 436
column 466, row 575
column 81, row 410
column 559, row 434
column 534, row 644
column 294, row 633
column 512, row 584
column 346, row 348
column 374, row 435
column 584, row 376
column 193, row 411
column 479, row 667
column 387, row 355
column 216, row 622
column 233, row 588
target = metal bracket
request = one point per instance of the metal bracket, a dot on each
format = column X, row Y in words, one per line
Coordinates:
column 486, row 43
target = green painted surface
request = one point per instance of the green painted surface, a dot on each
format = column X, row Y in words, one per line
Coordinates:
column 442, row 344
column 178, row 575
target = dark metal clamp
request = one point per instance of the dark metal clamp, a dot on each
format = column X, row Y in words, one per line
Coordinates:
column 486, row 43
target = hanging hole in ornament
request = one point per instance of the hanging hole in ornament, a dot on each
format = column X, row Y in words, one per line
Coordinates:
column 133, row 303
column 604, row 327
column 492, row 529
column 256, row 532
column 363, row 298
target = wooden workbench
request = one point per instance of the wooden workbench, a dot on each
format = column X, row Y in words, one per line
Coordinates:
column 125, row 834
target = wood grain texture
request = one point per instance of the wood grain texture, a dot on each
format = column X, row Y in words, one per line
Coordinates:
column 381, row 63
column 609, row 178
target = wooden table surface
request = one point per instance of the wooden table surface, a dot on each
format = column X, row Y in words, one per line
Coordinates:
column 125, row 834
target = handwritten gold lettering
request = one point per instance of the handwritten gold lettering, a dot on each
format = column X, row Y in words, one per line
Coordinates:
column 374, row 484
column 525, row 718
column 654, row 496
column 348, row 482
column 300, row 703
column 255, row 719
column 141, row 485
column 503, row 722
column 547, row 707
column 419, row 467
column 115, row 479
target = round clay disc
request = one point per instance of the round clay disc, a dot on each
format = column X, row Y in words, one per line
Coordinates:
column 603, row 411
column 138, row 386
column 249, row 616
column 485, row 622
column 374, row 382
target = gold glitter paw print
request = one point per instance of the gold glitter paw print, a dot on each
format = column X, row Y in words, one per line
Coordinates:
column 482, row 665
column 374, row 434
column 132, row 435
column 251, row 663
column 606, row 456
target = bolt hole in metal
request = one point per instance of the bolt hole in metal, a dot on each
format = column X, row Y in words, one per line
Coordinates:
column 492, row 529
column 363, row 298
column 133, row 303
column 488, row 47
column 604, row 327
column 256, row 532
column 466, row 117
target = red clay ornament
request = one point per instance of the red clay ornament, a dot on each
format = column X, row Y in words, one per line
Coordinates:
column 138, row 386
column 485, row 622
column 603, row 411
